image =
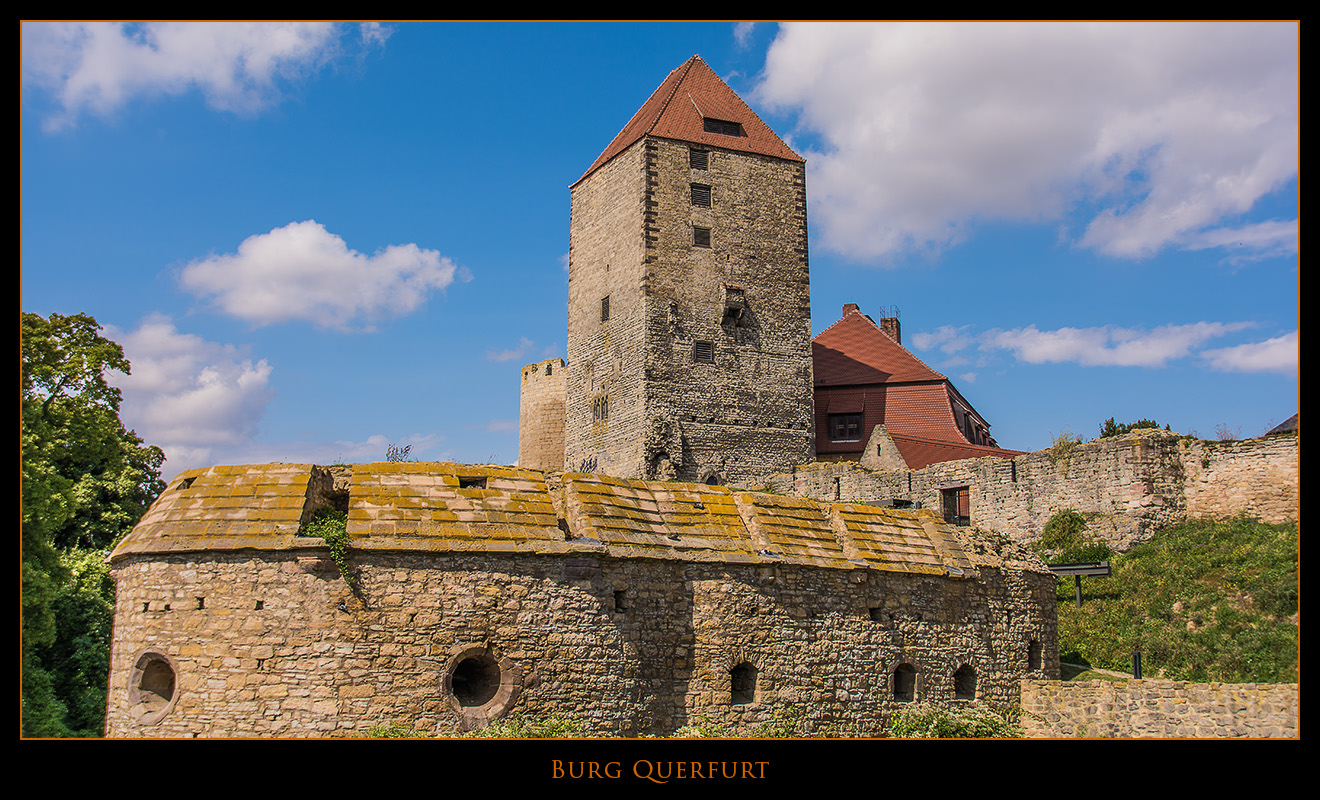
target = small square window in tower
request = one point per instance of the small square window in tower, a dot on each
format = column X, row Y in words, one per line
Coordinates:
column 699, row 159
column 701, row 195
column 700, row 237
column 703, row 352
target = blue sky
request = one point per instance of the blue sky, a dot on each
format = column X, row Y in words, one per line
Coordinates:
column 314, row 240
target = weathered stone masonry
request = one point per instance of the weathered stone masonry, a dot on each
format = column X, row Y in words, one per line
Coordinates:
column 1128, row 486
column 634, row 606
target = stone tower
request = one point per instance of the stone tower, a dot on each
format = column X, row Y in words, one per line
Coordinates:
column 689, row 312
column 541, row 416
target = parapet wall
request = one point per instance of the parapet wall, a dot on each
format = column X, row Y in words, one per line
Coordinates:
column 1128, row 486
column 634, row 607
column 1159, row 709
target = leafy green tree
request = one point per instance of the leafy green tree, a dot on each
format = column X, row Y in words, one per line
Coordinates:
column 86, row 481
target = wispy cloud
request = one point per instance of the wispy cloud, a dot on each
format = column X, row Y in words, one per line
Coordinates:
column 1279, row 354
column 99, row 67
column 304, row 272
column 1140, row 136
column 1106, row 345
column 524, row 346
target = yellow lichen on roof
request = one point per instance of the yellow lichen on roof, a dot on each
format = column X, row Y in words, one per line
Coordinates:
column 447, row 508
column 225, row 507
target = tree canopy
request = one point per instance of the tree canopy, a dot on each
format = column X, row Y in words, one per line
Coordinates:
column 86, row 481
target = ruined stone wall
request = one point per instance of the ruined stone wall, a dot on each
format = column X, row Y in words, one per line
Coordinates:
column 1127, row 486
column 541, row 415
column 1159, row 709
column 1257, row 477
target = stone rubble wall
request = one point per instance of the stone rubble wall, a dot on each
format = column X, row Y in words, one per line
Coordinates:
column 1159, row 709
column 1128, row 486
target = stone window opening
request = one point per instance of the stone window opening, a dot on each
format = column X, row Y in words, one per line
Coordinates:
column 472, row 482
column 964, row 683
column 1035, row 655
column 956, row 505
column 699, row 159
column 701, row 195
column 186, row 483
column 153, row 687
column 600, row 409
column 620, row 601
column 742, row 684
column 700, row 237
column 703, row 352
column 905, row 683
column 605, row 309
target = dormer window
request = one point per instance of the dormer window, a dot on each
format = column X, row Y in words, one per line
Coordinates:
column 722, row 126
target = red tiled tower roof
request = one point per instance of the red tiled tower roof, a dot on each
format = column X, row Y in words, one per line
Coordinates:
column 678, row 109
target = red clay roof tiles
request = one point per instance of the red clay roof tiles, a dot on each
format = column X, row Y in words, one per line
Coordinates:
column 678, row 108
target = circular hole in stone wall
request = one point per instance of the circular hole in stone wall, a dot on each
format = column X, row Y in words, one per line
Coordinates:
column 476, row 680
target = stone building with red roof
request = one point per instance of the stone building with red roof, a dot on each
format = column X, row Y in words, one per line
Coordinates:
column 877, row 403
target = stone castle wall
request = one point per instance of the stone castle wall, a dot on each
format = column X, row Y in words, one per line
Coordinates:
column 1159, row 709
column 634, row 607
column 1128, row 486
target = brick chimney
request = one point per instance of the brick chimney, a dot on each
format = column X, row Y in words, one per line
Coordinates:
column 849, row 308
column 889, row 325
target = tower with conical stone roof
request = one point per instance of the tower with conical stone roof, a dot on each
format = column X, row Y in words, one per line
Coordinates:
column 689, row 314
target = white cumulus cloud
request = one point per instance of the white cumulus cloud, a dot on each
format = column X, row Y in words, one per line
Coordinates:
column 303, row 272
column 1139, row 136
column 98, row 67
column 186, row 395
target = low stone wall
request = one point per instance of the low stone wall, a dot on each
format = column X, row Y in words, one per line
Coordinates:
column 1159, row 709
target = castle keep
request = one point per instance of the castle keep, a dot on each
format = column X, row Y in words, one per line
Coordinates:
column 689, row 311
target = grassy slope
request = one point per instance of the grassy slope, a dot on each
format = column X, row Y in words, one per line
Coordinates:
column 1201, row 601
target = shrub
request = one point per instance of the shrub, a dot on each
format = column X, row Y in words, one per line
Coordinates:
column 1065, row 541
column 1109, row 428
column 972, row 721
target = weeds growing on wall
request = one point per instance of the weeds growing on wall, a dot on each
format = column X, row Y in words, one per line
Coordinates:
column 782, row 726
column 1201, row 601
column 331, row 526
column 972, row 721
column 1065, row 442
